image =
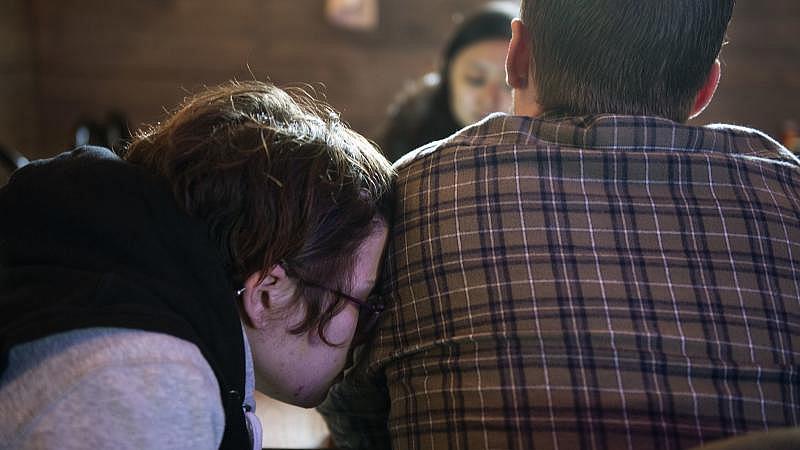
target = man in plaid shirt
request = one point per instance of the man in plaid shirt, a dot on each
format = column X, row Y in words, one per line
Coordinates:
column 589, row 273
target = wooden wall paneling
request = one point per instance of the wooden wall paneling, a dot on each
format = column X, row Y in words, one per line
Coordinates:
column 760, row 84
column 18, row 106
column 141, row 56
column 97, row 55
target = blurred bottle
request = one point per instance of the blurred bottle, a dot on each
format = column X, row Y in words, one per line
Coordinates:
column 89, row 132
column 117, row 131
column 113, row 133
column 790, row 138
column 11, row 159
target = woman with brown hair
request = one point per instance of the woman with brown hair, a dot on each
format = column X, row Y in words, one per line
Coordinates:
column 140, row 295
column 469, row 84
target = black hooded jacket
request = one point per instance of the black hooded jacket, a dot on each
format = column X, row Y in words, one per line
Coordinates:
column 88, row 240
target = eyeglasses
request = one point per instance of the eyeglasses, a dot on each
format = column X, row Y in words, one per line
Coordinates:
column 368, row 311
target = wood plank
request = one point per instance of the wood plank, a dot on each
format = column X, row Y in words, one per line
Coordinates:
column 96, row 55
column 19, row 121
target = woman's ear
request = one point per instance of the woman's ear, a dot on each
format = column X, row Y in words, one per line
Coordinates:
column 257, row 294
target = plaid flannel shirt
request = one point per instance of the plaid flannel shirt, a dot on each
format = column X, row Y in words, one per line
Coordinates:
column 602, row 282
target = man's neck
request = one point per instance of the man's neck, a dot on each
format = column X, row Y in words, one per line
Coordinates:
column 525, row 104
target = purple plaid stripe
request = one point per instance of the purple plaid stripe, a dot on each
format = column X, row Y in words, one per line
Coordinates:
column 596, row 282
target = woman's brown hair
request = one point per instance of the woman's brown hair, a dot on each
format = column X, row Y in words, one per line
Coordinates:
column 279, row 179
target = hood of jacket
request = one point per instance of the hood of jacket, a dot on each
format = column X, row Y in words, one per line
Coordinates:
column 87, row 240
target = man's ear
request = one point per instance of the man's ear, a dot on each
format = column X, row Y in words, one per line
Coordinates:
column 707, row 91
column 518, row 58
column 256, row 295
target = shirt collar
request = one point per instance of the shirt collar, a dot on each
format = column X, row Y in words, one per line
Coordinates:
column 619, row 132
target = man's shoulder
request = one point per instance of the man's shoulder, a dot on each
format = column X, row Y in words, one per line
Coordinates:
column 39, row 371
column 495, row 129
column 81, row 365
column 599, row 132
column 88, row 374
column 89, row 348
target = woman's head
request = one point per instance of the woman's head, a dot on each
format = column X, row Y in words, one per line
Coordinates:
column 469, row 84
column 282, row 184
column 473, row 73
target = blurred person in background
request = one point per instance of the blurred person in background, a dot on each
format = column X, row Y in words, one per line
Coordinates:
column 469, row 86
column 591, row 272
column 143, row 298
column 10, row 160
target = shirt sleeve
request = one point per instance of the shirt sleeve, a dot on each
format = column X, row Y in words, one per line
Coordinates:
column 357, row 409
column 164, row 405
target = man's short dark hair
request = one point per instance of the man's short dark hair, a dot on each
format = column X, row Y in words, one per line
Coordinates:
column 638, row 57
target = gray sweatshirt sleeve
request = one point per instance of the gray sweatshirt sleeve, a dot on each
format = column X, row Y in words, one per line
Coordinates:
column 166, row 406
column 164, row 397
